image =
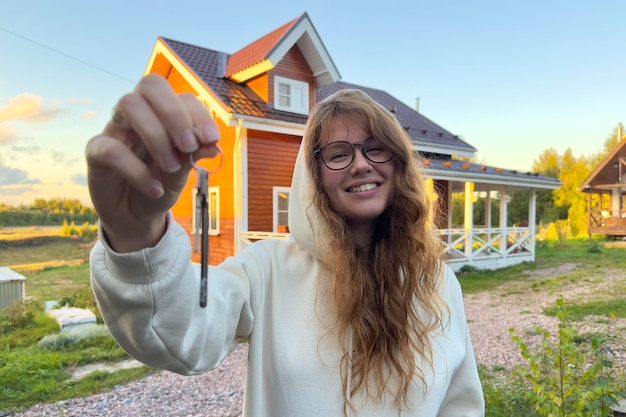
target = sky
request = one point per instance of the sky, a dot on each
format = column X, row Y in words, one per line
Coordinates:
column 513, row 79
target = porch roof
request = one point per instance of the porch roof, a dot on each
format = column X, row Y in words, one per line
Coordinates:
column 485, row 176
column 609, row 173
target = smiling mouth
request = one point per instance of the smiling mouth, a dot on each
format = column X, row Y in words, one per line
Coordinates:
column 361, row 188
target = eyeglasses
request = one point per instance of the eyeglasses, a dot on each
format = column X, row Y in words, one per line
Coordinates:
column 340, row 154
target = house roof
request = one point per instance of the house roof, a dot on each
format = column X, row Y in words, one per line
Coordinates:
column 426, row 135
column 609, row 173
column 263, row 54
column 209, row 66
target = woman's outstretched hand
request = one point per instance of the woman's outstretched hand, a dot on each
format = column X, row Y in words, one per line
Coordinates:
column 139, row 164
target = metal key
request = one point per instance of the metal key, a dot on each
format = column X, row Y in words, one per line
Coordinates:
column 202, row 217
column 202, row 221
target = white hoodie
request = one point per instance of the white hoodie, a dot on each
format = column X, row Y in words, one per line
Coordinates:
column 266, row 296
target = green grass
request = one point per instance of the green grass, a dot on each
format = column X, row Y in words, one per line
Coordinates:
column 54, row 283
column 30, row 374
column 588, row 262
column 615, row 308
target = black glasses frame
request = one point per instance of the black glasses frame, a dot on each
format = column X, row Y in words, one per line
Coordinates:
column 317, row 153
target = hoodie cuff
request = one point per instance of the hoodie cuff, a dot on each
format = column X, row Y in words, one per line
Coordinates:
column 148, row 265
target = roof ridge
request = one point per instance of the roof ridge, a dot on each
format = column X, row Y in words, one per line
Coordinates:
column 258, row 50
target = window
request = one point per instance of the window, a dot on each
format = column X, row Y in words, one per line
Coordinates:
column 280, row 208
column 291, row 95
column 214, row 212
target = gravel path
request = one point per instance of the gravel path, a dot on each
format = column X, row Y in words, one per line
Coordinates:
column 219, row 393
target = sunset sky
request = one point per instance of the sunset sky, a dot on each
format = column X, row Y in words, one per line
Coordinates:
column 512, row 79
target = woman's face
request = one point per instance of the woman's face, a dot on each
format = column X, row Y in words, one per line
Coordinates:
column 361, row 191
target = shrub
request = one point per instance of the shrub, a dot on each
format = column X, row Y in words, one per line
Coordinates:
column 570, row 376
column 62, row 340
column 18, row 314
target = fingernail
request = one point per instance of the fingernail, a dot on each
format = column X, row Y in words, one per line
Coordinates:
column 210, row 132
column 156, row 190
column 188, row 141
column 170, row 163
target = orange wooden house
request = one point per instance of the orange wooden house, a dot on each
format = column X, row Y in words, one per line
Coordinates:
column 260, row 97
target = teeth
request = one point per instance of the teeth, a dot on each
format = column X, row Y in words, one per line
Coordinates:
column 361, row 188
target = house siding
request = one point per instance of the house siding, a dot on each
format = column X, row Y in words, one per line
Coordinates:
column 293, row 66
column 271, row 158
column 223, row 245
column 260, row 86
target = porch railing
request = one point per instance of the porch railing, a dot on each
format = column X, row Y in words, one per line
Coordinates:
column 484, row 244
column 249, row 237
column 481, row 247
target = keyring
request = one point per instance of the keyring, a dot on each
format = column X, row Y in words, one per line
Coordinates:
column 193, row 163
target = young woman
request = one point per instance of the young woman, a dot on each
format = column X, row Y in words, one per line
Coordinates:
column 355, row 316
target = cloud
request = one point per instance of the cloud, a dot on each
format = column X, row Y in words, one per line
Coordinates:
column 16, row 190
column 89, row 115
column 59, row 158
column 27, row 108
column 11, row 176
column 79, row 179
column 6, row 134
column 15, row 176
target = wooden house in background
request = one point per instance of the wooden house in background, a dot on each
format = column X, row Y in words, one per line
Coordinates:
column 260, row 97
column 606, row 191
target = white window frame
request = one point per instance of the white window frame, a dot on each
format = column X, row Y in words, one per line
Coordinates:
column 214, row 215
column 298, row 95
column 276, row 191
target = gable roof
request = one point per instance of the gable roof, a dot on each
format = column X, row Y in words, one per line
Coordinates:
column 263, row 54
column 209, row 65
column 608, row 173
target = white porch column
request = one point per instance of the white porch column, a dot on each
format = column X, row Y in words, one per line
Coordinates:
column 503, row 219
column 488, row 210
column 615, row 203
column 449, row 204
column 532, row 218
column 468, row 218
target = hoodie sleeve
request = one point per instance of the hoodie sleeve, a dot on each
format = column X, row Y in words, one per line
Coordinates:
column 149, row 301
column 464, row 397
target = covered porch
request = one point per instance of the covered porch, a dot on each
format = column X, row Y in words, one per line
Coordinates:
column 488, row 241
column 473, row 220
column 605, row 188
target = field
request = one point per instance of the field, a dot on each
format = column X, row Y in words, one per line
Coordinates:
column 39, row 253
column 56, row 268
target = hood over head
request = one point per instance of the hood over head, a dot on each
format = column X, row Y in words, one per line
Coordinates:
column 306, row 225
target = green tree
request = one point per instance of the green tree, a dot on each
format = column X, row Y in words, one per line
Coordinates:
column 573, row 172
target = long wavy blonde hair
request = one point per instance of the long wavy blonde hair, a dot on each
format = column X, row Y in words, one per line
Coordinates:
column 384, row 298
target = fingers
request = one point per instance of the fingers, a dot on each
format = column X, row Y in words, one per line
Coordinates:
column 106, row 155
column 165, row 123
